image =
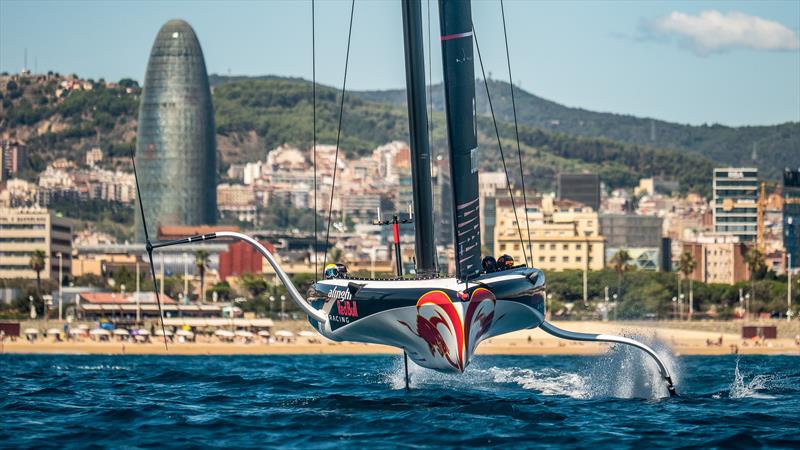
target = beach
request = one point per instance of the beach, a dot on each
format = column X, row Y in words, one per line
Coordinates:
column 700, row 340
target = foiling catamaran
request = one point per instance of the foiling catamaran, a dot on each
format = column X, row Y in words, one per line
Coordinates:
column 437, row 320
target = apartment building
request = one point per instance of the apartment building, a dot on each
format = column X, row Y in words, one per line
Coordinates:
column 565, row 235
column 25, row 230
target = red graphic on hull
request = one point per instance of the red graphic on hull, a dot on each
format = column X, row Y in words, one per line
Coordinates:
column 435, row 308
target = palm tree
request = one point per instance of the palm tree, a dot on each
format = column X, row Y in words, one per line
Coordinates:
column 200, row 261
column 620, row 262
column 755, row 262
column 686, row 266
column 37, row 264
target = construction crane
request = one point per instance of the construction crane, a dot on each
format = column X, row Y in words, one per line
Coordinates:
column 762, row 208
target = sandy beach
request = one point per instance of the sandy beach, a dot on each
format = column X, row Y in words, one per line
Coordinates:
column 526, row 342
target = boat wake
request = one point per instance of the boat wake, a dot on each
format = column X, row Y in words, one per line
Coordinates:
column 623, row 372
column 546, row 381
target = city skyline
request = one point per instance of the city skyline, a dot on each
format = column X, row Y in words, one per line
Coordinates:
column 649, row 60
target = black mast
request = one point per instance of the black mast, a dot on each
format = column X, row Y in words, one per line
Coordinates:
column 455, row 18
column 418, row 127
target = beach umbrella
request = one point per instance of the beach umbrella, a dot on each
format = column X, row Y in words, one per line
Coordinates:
column 263, row 333
column 143, row 332
column 185, row 333
column 284, row 333
column 306, row 333
column 31, row 331
column 76, row 331
column 224, row 333
column 121, row 332
column 53, row 331
column 100, row 332
column 244, row 333
column 160, row 332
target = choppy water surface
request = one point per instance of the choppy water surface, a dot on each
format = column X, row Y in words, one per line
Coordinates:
column 359, row 401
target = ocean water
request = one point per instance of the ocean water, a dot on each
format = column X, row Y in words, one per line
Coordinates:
column 611, row 401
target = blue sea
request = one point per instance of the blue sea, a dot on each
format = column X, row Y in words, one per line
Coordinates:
column 611, row 401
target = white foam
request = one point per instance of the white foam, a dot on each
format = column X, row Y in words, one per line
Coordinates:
column 623, row 372
column 741, row 389
column 99, row 367
column 546, row 381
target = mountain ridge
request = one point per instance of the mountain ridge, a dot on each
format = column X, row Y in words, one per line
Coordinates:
column 723, row 144
column 254, row 115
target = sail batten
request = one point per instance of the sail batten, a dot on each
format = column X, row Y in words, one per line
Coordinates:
column 459, row 81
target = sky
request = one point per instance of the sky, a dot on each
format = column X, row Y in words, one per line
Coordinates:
column 734, row 63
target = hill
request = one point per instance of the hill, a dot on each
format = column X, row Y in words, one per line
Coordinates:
column 777, row 146
column 279, row 110
column 63, row 116
column 255, row 115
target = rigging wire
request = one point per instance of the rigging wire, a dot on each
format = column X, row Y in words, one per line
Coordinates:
column 149, row 248
column 516, row 132
column 499, row 144
column 338, row 133
column 314, row 132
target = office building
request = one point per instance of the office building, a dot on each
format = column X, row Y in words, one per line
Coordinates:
column 791, row 214
column 175, row 146
column 735, row 203
column 580, row 187
column 639, row 235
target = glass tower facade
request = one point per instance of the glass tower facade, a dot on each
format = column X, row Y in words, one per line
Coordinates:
column 175, row 147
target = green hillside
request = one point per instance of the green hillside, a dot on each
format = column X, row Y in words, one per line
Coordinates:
column 254, row 115
column 777, row 146
column 279, row 110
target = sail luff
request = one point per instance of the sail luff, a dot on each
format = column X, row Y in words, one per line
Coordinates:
column 455, row 17
column 418, row 130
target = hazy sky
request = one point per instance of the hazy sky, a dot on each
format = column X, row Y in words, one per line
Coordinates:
column 694, row 62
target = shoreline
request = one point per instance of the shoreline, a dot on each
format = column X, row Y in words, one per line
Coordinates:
column 115, row 348
column 682, row 341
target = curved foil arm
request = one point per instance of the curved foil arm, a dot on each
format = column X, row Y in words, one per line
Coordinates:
column 318, row 315
column 573, row 336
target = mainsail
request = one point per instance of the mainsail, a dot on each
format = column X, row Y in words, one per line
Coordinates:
column 459, row 80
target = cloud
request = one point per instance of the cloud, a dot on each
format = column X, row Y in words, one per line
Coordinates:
column 715, row 32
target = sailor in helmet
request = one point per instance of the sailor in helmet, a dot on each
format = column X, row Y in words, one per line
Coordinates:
column 337, row 270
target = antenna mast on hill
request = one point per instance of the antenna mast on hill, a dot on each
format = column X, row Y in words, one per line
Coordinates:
column 652, row 130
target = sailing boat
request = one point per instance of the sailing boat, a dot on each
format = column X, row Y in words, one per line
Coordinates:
column 438, row 321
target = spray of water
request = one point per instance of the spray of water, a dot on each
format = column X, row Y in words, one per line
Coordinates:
column 421, row 377
column 624, row 372
column 628, row 372
column 740, row 388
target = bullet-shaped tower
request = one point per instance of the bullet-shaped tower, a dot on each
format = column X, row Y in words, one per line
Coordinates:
column 176, row 153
